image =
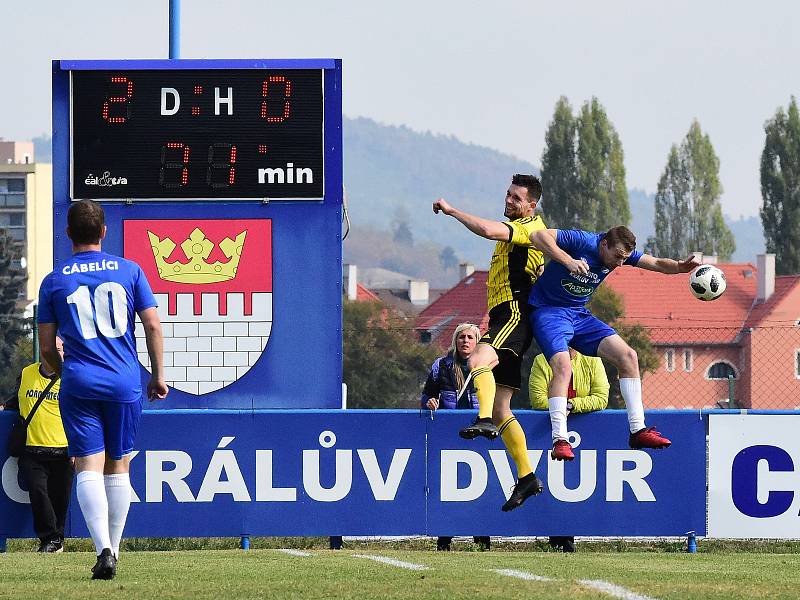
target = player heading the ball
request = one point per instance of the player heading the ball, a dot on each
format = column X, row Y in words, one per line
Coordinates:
column 580, row 261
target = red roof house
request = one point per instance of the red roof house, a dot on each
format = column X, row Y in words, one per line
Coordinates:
column 365, row 295
column 463, row 303
column 749, row 333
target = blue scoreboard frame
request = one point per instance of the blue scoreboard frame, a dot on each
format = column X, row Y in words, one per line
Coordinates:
column 233, row 213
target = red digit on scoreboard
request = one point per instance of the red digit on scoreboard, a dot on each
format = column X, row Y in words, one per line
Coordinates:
column 267, row 87
column 227, row 166
column 126, row 87
column 179, row 169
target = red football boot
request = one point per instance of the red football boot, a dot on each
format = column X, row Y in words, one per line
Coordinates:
column 648, row 438
column 562, row 450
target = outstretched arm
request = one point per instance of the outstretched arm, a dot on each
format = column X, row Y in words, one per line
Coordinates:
column 545, row 240
column 667, row 265
column 486, row 228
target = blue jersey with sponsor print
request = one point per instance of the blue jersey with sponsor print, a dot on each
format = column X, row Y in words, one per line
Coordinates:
column 93, row 299
column 558, row 287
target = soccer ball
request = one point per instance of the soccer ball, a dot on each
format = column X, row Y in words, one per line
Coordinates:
column 707, row 282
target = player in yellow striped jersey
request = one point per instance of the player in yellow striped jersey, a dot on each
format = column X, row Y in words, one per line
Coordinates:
column 495, row 363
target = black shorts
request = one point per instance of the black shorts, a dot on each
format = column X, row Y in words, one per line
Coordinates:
column 510, row 335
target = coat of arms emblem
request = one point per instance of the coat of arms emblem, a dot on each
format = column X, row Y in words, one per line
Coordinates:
column 213, row 283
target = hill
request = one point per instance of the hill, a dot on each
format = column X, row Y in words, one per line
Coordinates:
column 393, row 174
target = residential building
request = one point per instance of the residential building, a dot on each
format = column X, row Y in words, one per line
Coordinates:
column 745, row 344
column 26, row 210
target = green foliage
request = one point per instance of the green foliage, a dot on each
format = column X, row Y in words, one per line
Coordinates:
column 688, row 213
column 601, row 171
column 780, row 188
column 559, row 169
column 608, row 306
column 21, row 357
column 583, row 170
column 384, row 365
column 12, row 287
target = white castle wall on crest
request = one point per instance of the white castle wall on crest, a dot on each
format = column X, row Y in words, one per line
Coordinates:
column 207, row 351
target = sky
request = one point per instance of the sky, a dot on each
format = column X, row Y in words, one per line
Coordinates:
column 488, row 73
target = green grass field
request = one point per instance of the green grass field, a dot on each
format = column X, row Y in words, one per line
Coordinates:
column 272, row 573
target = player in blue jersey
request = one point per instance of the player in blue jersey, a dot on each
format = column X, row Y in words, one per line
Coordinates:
column 91, row 301
column 580, row 261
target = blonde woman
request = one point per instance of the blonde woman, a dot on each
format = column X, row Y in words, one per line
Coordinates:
column 448, row 373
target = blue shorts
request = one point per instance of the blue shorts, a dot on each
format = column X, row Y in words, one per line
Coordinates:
column 94, row 426
column 556, row 328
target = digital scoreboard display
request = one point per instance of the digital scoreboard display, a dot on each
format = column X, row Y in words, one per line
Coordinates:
column 197, row 134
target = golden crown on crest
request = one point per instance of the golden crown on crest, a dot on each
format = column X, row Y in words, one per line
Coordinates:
column 197, row 249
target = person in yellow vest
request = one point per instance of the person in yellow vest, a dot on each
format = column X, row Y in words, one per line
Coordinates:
column 587, row 392
column 45, row 465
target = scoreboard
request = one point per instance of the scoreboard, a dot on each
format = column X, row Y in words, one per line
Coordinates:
column 236, row 133
column 222, row 179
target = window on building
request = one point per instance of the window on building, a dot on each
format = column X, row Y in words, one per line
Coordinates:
column 14, row 185
column 687, row 360
column 17, row 234
column 425, row 337
column 12, row 219
column 15, row 200
column 669, row 360
column 721, row 370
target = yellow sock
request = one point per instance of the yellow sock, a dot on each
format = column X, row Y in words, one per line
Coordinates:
column 483, row 380
column 517, row 446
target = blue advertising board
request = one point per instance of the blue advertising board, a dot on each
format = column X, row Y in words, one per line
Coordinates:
column 223, row 180
column 231, row 473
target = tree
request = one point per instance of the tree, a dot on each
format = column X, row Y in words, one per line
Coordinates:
column 400, row 228
column 583, row 171
column 384, row 365
column 780, row 188
column 601, row 171
column 448, row 258
column 688, row 215
column 12, row 287
column 559, row 170
column 21, row 357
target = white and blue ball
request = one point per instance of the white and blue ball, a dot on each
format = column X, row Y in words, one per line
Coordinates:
column 707, row 282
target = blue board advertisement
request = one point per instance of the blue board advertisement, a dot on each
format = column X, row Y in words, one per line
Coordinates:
column 230, row 473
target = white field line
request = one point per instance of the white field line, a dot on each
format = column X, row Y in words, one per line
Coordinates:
column 521, row 575
column 613, row 590
column 393, row 562
column 294, row 552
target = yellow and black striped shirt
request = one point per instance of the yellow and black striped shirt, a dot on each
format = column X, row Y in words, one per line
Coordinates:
column 515, row 263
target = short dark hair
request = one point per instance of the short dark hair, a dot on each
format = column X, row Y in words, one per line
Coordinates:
column 531, row 182
column 621, row 235
column 85, row 221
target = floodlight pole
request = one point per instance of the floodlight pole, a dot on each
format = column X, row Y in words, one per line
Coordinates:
column 174, row 28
